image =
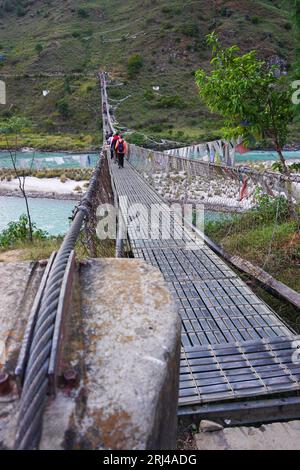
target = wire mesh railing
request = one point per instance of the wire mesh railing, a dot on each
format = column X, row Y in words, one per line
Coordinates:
column 216, row 186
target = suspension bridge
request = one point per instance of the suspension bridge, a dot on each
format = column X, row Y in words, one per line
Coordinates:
column 237, row 355
column 233, row 345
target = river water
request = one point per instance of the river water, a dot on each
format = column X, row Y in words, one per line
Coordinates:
column 48, row 214
column 263, row 156
column 53, row 215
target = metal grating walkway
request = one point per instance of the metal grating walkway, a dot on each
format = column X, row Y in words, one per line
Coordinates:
column 233, row 345
column 232, row 371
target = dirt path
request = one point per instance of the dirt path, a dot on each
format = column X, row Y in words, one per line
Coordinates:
column 11, row 256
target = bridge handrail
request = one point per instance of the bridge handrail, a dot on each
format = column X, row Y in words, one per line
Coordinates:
column 109, row 127
column 229, row 170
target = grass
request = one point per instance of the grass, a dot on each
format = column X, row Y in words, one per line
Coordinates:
column 55, row 142
column 273, row 246
column 168, row 35
column 27, row 251
column 42, row 249
column 75, row 174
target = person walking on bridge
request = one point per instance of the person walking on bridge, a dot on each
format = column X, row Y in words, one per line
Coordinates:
column 114, row 140
column 109, row 144
column 121, row 148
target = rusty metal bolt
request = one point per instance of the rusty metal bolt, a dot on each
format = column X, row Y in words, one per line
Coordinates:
column 5, row 386
column 71, row 377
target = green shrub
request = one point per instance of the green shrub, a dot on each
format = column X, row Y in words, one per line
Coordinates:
column 155, row 128
column 134, row 65
column 170, row 101
column 116, row 93
column 63, row 108
column 190, row 29
column 49, row 124
column 19, row 231
column 8, row 6
column 294, row 167
column 256, row 20
column 269, row 208
column 83, row 13
column 39, row 48
column 41, row 174
column 137, row 139
column 21, row 11
column 171, row 10
column 166, row 9
column 149, row 95
column 179, row 135
column 223, row 11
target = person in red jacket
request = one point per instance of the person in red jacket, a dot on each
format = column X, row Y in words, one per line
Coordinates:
column 121, row 149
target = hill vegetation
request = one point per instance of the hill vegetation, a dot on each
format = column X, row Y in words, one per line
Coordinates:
column 58, row 47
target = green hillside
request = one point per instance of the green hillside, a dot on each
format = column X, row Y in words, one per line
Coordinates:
column 41, row 39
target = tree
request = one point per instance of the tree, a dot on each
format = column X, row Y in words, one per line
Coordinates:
column 13, row 128
column 39, row 48
column 21, row 11
column 83, row 13
column 63, row 108
column 8, row 6
column 253, row 100
column 134, row 64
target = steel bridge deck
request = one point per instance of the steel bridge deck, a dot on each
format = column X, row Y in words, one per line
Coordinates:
column 233, row 345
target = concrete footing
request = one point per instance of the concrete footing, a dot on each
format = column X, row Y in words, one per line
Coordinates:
column 123, row 345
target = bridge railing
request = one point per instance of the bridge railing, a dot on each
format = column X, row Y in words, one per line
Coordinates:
column 227, row 186
column 218, row 150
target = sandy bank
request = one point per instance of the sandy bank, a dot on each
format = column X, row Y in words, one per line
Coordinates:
column 44, row 187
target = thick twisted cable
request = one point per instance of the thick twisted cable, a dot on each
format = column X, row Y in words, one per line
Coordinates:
column 35, row 387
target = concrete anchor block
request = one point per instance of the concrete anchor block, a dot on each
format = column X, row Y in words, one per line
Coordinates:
column 128, row 394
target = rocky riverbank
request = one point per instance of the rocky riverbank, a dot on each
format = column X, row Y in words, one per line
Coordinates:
column 41, row 195
column 219, row 195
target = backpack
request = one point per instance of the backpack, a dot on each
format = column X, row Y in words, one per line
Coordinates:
column 121, row 147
